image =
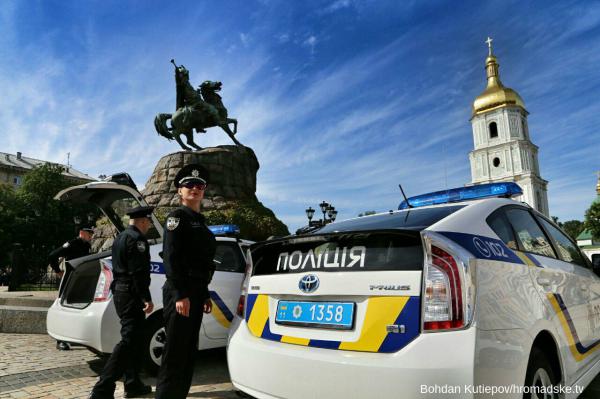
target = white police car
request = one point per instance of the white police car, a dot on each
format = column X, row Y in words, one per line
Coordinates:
column 450, row 296
column 84, row 313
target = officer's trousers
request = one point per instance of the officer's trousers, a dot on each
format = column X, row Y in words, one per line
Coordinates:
column 126, row 358
column 177, row 364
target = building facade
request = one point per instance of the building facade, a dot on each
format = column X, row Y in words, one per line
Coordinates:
column 589, row 244
column 13, row 167
column 503, row 151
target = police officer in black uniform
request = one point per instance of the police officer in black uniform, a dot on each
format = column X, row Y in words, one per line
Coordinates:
column 131, row 296
column 188, row 252
column 72, row 249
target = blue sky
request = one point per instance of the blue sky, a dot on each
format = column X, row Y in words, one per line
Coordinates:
column 341, row 100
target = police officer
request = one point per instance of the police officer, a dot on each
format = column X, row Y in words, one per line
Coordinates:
column 188, row 252
column 131, row 296
column 72, row 249
column 75, row 248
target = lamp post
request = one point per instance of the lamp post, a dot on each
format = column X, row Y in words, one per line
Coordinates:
column 310, row 213
column 329, row 215
column 324, row 205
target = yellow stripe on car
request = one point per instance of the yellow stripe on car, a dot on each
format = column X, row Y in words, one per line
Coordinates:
column 259, row 315
column 217, row 313
column 381, row 312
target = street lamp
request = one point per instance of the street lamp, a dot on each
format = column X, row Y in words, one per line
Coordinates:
column 333, row 215
column 310, row 213
column 329, row 214
column 324, row 205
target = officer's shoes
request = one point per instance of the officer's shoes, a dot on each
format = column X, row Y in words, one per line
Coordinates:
column 62, row 346
column 137, row 392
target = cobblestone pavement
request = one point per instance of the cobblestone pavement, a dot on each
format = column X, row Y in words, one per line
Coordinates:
column 31, row 367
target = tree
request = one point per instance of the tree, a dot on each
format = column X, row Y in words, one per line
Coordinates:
column 573, row 228
column 256, row 222
column 31, row 217
column 592, row 219
column 9, row 208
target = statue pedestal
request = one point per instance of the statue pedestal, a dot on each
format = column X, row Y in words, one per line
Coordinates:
column 230, row 195
column 232, row 176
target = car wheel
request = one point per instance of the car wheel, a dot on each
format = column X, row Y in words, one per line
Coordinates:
column 539, row 374
column 154, row 343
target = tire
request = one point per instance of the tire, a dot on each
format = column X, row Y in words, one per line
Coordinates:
column 154, row 343
column 539, row 373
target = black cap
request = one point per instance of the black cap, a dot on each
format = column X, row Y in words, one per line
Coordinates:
column 140, row 212
column 88, row 229
column 191, row 173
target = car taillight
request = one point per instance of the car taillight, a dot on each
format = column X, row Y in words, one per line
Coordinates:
column 244, row 287
column 103, row 286
column 241, row 305
column 449, row 289
column 443, row 292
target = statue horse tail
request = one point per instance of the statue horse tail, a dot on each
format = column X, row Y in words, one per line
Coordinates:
column 160, row 124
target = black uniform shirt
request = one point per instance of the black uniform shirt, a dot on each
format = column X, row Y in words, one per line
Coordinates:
column 131, row 261
column 188, row 253
column 72, row 249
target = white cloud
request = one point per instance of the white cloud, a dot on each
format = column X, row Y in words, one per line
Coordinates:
column 310, row 42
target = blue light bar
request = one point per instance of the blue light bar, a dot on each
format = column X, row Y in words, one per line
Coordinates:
column 463, row 194
column 224, row 229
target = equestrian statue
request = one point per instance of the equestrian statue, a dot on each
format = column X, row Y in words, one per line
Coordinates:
column 195, row 109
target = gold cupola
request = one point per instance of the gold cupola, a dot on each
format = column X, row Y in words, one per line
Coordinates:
column 495, row 95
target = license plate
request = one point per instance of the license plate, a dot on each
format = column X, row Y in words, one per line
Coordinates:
column 335, row 315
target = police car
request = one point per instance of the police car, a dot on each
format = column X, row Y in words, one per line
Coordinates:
column 84, row 313
column 460, row 293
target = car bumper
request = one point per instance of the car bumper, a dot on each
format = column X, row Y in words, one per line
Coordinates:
column 426, row 367
column 96, row 326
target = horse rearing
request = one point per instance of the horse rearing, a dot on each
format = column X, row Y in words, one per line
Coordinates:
column 195, row 109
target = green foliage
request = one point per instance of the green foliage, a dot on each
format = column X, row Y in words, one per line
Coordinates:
column 573, row 228
column 31, row 217
column 255, row 221
column 592, row 219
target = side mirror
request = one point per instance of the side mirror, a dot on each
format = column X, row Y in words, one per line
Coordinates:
column 596, row 263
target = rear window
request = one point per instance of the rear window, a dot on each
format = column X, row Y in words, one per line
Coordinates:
column 228, row 257
column 349, row 252
column 409, row 219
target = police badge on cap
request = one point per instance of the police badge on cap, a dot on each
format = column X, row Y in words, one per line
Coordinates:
column 194, row 173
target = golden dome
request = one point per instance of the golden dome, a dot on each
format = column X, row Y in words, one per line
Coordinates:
column 495, row 94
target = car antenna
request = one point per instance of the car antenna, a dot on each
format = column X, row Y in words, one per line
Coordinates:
column 404, row 195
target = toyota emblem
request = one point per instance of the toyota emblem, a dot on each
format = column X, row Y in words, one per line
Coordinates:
column 309, row 283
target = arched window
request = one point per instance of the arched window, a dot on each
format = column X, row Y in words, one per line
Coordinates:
column 493, row 130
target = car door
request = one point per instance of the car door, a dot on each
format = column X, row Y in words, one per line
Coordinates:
column 224, row 288
column 555, row 280
column 584, row 332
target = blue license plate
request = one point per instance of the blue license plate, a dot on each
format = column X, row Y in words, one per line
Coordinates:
column 335, row 315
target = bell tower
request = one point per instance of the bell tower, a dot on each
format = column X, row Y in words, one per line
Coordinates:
column 503, row 149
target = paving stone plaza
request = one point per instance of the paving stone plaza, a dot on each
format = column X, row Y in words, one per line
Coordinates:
column 31, row 367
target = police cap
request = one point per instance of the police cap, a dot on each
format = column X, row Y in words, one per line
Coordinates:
column 191, row 173
column 88, row 229
column 140, row 212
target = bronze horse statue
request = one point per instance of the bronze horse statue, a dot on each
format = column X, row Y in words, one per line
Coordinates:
column 195, row 109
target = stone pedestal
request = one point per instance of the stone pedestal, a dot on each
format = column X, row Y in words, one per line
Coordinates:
column 230, row 195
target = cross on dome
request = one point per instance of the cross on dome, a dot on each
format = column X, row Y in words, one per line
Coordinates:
column 489, row 43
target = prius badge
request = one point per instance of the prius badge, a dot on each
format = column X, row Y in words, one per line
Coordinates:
column 309, row 283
